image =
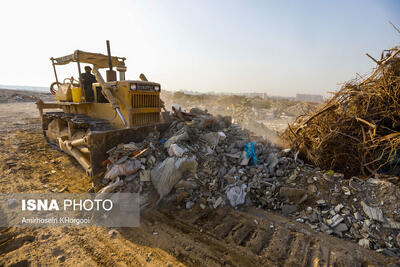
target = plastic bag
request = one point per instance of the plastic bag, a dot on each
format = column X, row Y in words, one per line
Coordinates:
column 236, row 195
column 127, row 168
column 211, row 138
column 111, row 187
column 176, row 138
column 176, row 151
column 169, row 172
column 250, row 152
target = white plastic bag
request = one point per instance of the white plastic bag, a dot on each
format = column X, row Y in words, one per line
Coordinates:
column 176, row 151
column 127, row 168
column 111, row 187
column 211, row 138
column 169, row 172
column 176, row 138
column 237, row 195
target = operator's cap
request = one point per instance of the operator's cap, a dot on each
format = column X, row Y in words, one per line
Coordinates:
column 88, row 67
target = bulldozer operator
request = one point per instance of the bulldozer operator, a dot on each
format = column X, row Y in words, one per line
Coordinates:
column 87, row 80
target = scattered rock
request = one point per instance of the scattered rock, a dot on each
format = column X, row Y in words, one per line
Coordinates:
column 112, row 233
column 364, row 243
column 373, row 213
column 341, row 227
column 338, row 208
column 145, row 176
column 335, row 220
column 218, row 202
column 288, row 209
column 61, row 258
column 189, row 204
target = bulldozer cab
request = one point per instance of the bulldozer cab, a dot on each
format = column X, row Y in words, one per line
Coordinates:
column 138, row 100
column 95, row 59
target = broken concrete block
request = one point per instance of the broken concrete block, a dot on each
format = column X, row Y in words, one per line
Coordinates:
column 363, row 243
column 145, row 176
column 217, row 202
column 288, row 209
column 373, row 213
column 335, row 220
column 341, row 227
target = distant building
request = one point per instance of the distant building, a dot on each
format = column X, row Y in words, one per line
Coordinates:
column 309, row 98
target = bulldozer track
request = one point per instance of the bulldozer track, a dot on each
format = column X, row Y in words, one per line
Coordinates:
column 258, row 238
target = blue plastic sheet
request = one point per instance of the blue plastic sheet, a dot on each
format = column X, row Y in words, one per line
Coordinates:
column 250, row 152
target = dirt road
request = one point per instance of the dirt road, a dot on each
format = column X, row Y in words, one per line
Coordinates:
column 166, row 237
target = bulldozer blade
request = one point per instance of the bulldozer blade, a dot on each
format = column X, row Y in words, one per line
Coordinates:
column 102, row 141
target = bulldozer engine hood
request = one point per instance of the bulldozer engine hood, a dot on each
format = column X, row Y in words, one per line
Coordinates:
column 100, row 60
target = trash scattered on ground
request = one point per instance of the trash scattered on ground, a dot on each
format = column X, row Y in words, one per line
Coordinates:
column 199, row 165
column 112, row 233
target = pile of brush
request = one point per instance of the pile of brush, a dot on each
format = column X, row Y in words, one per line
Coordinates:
column 357, row 131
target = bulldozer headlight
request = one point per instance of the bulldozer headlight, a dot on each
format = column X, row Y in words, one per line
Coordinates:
column 133, row 87
column 157, row 88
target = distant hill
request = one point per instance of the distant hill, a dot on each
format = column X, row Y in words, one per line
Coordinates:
column 25, row 88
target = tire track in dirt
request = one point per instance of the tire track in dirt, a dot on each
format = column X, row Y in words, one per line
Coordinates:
column 242, row 239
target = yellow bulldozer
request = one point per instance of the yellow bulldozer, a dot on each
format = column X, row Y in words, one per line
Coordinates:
column 87, row 122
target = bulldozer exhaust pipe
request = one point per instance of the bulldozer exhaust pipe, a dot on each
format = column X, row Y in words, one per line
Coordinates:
column 110, row 74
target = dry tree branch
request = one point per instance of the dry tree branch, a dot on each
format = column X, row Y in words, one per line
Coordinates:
column 397, row 29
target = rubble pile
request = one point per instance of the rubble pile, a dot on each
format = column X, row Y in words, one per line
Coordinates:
column 265, row 116
column 358, row 129
column 205, row 162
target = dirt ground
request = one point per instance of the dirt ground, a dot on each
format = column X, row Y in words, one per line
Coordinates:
column 166, row 236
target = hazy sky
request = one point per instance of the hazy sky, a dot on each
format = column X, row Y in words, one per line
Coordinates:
column 277, row 47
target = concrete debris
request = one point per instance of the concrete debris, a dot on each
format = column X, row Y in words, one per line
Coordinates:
column 288, row 209
column 244, row 160
column 338, row 208
column 145, row 176
column 218, row 202
column 272, row 161
column 373, row 213
column 335, row 220
column 364, row 243
column 189, row 204
column 211, row 138
column 392, row 224
column 201, row 162
column 341, row 227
